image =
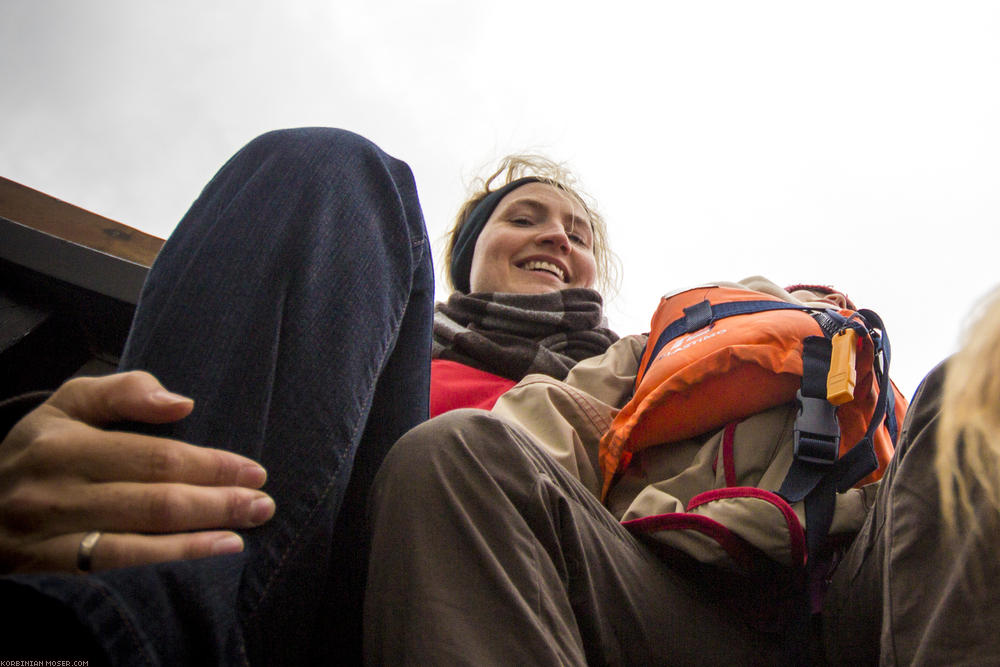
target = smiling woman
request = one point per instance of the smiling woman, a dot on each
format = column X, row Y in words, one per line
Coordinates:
column 524, row 258
column 538, row 239
column 523, row 191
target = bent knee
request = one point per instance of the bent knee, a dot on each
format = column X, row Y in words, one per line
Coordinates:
column 452, row 459
column 456, row 429
column 293, row 140
column 452, row 440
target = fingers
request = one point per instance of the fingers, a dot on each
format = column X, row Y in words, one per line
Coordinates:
column 60, row 438
column 71, row 448
column 60, row 475
column 130, row 507
column 115, row 550
column 131, row 396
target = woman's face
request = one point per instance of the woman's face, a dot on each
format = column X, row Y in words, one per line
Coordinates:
column 538, row 239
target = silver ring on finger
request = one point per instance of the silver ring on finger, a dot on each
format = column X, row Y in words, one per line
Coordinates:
column 85, row 554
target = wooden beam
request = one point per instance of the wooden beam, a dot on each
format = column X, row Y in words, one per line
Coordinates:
column 60, row 219
column 69, row 282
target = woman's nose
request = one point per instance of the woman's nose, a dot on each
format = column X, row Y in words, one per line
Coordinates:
column 555, row 235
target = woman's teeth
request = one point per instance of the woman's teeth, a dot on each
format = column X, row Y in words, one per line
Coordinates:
column 535, row 265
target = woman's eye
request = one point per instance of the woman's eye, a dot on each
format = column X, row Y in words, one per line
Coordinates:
column 524, row 222
column 579, row 240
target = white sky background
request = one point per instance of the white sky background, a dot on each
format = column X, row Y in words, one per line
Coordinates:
column 850, row 143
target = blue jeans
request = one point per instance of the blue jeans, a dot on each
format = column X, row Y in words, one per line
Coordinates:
column 293, row 303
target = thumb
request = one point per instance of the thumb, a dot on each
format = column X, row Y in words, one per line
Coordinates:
column 130, row 396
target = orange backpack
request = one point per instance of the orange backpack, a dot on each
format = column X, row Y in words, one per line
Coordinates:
column 716, row 355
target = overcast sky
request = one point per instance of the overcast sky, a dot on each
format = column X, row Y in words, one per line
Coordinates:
column 851, row 143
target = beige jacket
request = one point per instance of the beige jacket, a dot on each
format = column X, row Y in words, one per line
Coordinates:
column 654, row 494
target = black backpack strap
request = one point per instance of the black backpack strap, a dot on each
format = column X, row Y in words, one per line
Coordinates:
column 817, row 474
column 861, row 459
column 817, row 444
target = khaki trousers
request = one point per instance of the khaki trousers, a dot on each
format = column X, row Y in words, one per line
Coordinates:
column 487, row 552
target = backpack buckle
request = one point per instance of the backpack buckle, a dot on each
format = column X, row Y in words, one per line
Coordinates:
column 817, row 433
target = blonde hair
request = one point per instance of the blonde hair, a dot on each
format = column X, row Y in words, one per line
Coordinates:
column 556, row 174
column 968, row 436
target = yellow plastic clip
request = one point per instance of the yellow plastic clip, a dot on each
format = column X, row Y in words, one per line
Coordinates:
column 842, row 377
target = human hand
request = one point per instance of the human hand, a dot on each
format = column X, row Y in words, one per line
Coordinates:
column 154, row 499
